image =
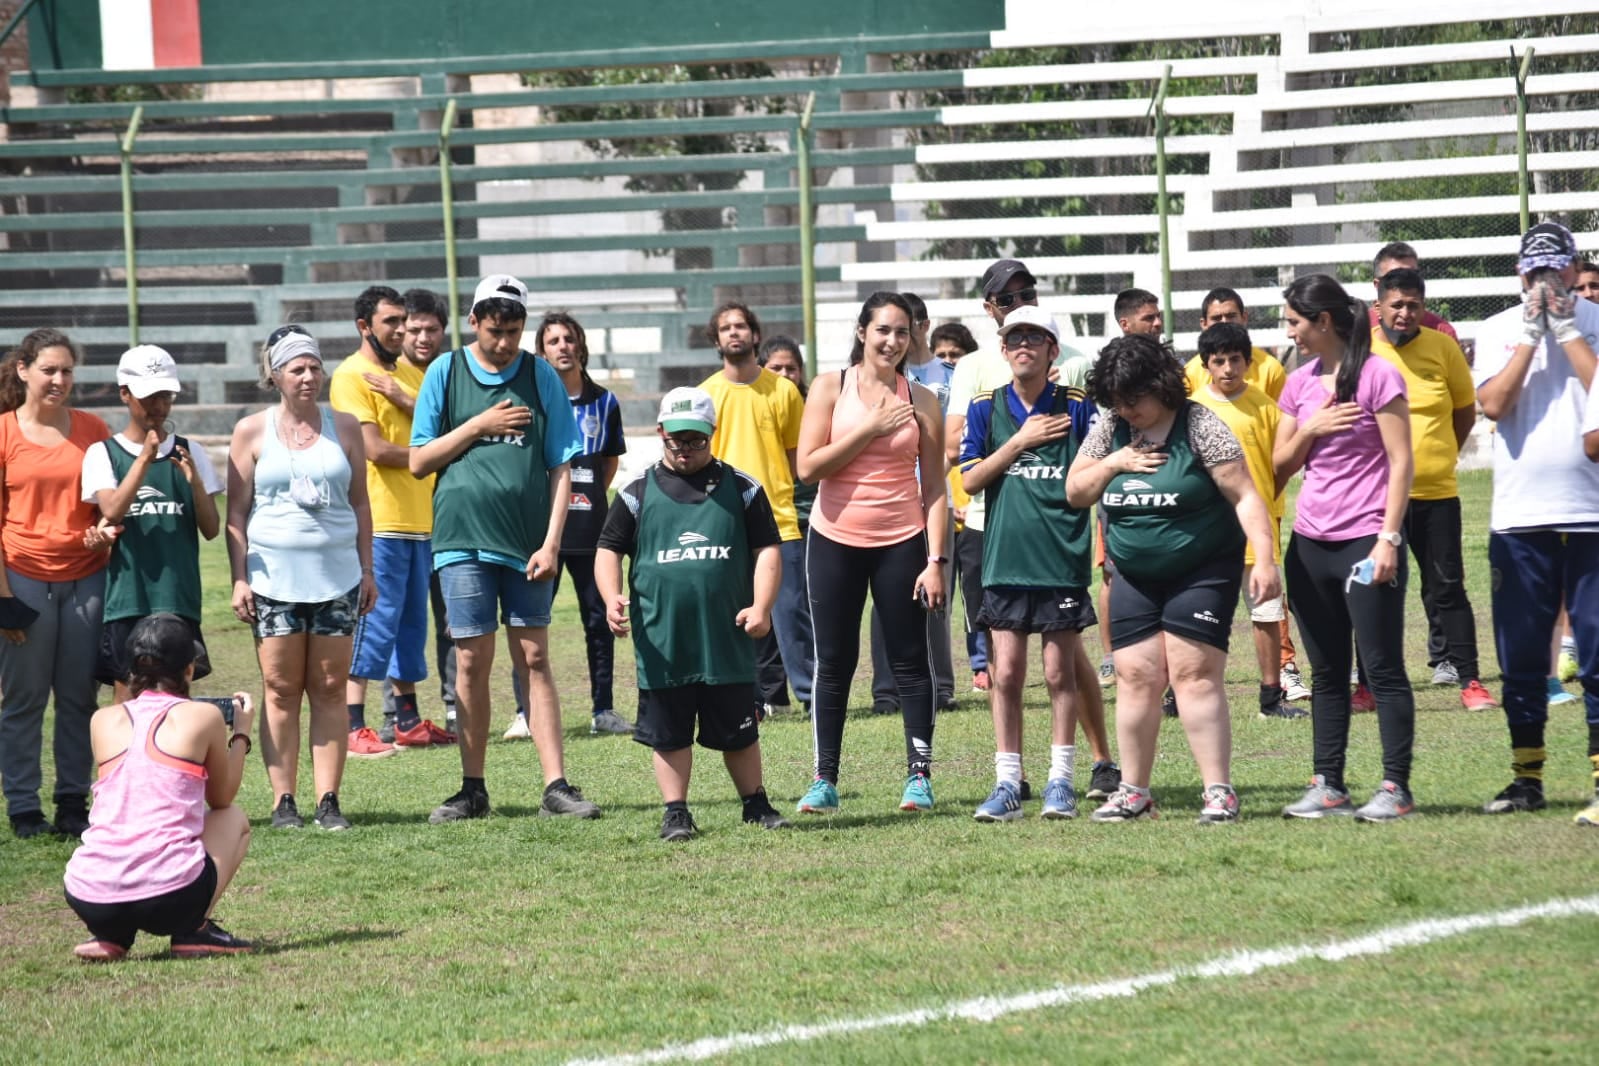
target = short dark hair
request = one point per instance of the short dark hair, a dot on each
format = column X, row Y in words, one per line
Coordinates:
column 1130, row 300
column 918, row 308
column 778, row 342
column 1134, row 366
column 1402, row 279
column 1586, row 266
column 1220, row 296
column 1393, row 250
column 1225, row 337
column 501, row 309
column 427, row 302
column 732, row 305
column 366, row 304
column 954, row 333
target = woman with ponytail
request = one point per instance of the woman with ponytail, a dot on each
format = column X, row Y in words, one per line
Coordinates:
column 1346, row 423
column 52, row 582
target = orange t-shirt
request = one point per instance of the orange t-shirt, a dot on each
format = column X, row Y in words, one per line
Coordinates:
column 44, row 520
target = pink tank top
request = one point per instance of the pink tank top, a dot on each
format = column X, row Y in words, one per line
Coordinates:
column 144, row 829
column 875, row 500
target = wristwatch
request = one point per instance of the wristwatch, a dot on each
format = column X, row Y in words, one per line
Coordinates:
column 1392, row 538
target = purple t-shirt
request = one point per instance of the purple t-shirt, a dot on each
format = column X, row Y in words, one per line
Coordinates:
column 1345, row 492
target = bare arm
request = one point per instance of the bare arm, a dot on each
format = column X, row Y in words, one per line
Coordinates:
column 1088, row 478
column 350, row 438
column 242, row 450
column 541, row 566
column 935, row 491
column 205, row 504
column 224, row 760
column 1590, row 444
column 114, row 503
column 1393, row 422
column 1465, row 419
column 608, row 580
column 954, row 431
column 1239, row 488
column 1038, row 429
column 381, row 451
column 756, row 619
column 436, row 454
column 820, row 457
column 1498, row 395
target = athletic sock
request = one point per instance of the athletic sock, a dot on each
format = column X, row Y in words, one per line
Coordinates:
column 918, row 755
column 405, row 712
column 357, row 713
column 1141, row 793
column 1062, row 761
column 1528, row 763
column 478, row 785
column 1008, row 767
column 1569, row 645
column 1270, row 696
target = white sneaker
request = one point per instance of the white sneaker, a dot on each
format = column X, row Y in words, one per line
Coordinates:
column 519, row 729
column 1293, row 683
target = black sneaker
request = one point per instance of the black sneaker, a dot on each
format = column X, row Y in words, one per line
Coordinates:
column 566, row 801
column 678, row 824
column 947, row 702
column 1522, row 794
column 1025, row 790
column 209, row 939
column 1105, row 780
column 758, row 810
column 1168, row 704
column 885, row 707
column 459, row 807
column 328, row 815
column 31, row 824
column 386, row 730
column 1282, row 709
column 286, row 815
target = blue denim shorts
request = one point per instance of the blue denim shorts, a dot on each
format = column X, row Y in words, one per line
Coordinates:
column 473, row 590
column 330, row 618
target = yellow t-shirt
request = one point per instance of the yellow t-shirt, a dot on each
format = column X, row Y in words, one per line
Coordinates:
column 400, row 502
column 757, row 425
column 1437, row 382
column 1264, row 372
column 1253, row 418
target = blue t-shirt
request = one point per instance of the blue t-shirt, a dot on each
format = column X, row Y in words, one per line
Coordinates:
column 562, row 441
column 974, row 444
column 934, row 374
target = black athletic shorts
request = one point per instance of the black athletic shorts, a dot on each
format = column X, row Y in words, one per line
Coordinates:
column 726, row 715
column 114, row 665
column 180, row 911
column 1199, row 605
column 1025, row 610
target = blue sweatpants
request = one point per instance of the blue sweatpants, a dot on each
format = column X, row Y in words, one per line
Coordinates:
column 1531, row 572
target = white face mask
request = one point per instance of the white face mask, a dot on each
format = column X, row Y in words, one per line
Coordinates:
column 308, row 492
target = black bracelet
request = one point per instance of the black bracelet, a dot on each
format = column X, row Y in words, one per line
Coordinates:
column 248, row 747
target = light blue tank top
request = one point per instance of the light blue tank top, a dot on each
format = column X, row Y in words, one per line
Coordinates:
column 299, row 554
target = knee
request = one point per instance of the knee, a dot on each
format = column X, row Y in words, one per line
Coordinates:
column 538, row 659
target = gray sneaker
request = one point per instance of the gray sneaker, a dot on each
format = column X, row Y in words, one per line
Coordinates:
column 609, row 722
column 386, row 730
column 1446, row 674
column 1293, row 683
column 564, row 800
column 1320, row 801
column 1388, row 804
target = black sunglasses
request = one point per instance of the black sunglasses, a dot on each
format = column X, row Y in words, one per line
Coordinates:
column 1006, row 299
column 283, row 331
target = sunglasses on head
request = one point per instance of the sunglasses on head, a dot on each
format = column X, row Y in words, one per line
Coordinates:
column 283, row 331
column 1008, row 299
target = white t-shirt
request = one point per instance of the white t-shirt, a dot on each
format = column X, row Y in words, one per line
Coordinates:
column 1542, row 479
column 97, row 474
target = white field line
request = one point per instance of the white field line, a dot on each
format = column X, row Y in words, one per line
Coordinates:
column 990, row 1008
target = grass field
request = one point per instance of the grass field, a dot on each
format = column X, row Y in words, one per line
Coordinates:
column 521, row 939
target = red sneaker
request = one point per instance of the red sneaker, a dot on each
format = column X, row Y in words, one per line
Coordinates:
column 980, row 682
column 1474, row 697
column 364, row 744
column 100, row 951
column 1363, row 699
column 423, row 734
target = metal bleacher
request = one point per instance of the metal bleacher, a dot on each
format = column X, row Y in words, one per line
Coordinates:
column 274, row 192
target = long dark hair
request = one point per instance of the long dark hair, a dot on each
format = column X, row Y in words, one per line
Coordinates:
column 873, row 302
column 561, row 318
column 1309, row 297
column 13, row 393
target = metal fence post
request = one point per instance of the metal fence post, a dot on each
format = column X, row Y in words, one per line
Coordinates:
column 807, row 222
column 1158, row 105
column 130, row 256
column 447, row 196
column 1523, row 179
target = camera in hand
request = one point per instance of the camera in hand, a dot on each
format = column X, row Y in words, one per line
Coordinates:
column 226, row 704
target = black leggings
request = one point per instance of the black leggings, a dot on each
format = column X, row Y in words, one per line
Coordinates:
column 1317, row 571
column 839, row 576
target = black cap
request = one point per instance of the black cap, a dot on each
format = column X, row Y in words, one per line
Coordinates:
column 996, row 277
column 163, row 640
column 1548, row 244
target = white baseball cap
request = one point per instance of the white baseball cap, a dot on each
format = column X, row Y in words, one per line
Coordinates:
column 688, row 410
column 146, row 370
column 1029, row 315
column 500, row 287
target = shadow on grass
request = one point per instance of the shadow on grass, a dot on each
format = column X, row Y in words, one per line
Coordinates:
column 304, row 943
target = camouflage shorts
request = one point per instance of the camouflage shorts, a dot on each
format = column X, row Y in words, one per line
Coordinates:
column 330, row 618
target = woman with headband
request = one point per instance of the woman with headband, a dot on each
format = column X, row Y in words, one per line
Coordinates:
column 300, row 547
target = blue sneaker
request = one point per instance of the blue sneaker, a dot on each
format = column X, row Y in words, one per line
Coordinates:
column 820, row 798
column 1558, row 693
column 1004, row 804
column 1059, row 800
column 918, row 794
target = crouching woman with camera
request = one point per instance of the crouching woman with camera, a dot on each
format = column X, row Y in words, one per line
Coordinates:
column 164, row 838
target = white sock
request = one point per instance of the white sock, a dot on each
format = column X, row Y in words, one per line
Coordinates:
column 1142, row 793
column 1062, row 757
column 1008, row 767
column 1568, row 645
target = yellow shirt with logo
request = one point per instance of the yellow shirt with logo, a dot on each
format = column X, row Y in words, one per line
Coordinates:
column 1252, row 416
column 1264, row 372
column 1437, row 382
column 757, row 425
column 400, row 503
